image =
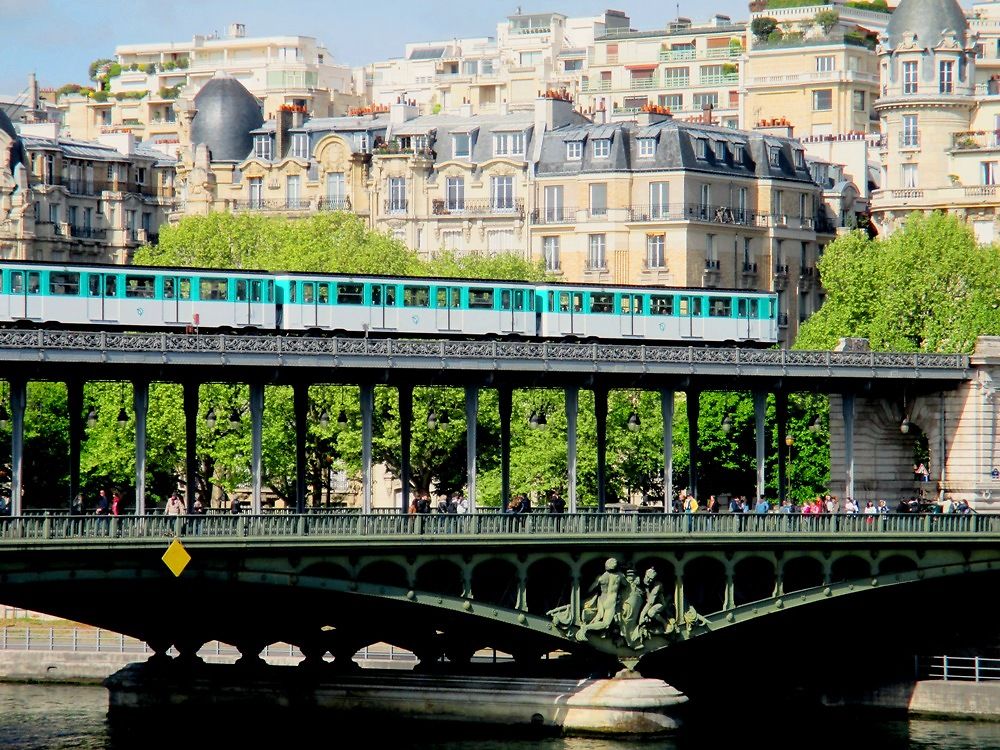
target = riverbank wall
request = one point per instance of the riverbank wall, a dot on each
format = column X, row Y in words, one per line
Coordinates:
column 956, row 699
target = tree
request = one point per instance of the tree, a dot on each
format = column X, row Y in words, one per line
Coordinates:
column 826, row 19
column 763, row 26
column 929, row 287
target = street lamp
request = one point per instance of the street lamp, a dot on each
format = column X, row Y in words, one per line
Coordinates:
column 432, row 419
column 342, row 417
column 727, row 425
column 789, row 441
column 122, row 417
column 92, row 417
column 533, row 420
column 210, row 418
column 904, row 427
column 634, row 423
column 324, row 420
column 816, row 426
column 234, row 417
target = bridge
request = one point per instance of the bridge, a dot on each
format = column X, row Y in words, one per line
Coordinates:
column 447, row 586
column 864, row 387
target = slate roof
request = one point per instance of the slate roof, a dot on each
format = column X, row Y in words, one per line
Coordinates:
column 227, row 113
column 928, row 19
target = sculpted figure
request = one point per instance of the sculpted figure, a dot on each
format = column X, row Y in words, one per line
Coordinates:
column 652, row 616
column 604, row 605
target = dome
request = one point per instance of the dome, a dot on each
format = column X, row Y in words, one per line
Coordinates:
column 227, row 112
column 17, row 153
column 928, row 19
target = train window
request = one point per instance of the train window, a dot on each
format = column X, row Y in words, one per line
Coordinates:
column 631, row 304
column 719, row 307
column 350, row 294
column 449, row 298
column 519, row 300
column 16, row 282
column 1, row 282
column 270, row 290
column 505, row 299
column 661, row 305
column 308, row 292
column 185, row 289
column 481, row 298
column 416, row 296
column 141, row 287
column 241, row 290
column 168, row 289
column 95, row 285
column 563, row 301
column 754, row 308
column 64, row 283
column 217, row 289
column 291, row 291
column 110, row 286
column 255, row 290
column 741, row 308
column 34, row 282
column 601, row 303
column 577, row 301
column 323, row 293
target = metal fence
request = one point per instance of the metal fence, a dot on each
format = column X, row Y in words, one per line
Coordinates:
column 339, row 525
column 958, row 668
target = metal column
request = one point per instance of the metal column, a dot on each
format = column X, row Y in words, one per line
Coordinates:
column 140, row 405
column 693, row 409
column 572, row 407
column 505, row 399
column 781, row 415
column 367, row 407
column 667, row 411
column 256, row 437
column 405, row 438
column 471, row 417
column 601, row 414
column 300, row 406
column 760, row 414
column 848, row 406
column 191, row 443
column 74, row 399
column 18, row 404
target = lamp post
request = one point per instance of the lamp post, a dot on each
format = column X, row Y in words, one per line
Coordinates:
column 789, row 442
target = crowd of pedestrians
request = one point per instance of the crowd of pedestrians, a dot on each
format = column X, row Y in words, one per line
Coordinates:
column 687, row 503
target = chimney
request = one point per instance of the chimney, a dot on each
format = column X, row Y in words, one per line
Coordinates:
column 465, row 109
column 282, row 123
column 401, row 112
column 552, row 111
column 776, row 126
column 706, row 114
column 653, row 116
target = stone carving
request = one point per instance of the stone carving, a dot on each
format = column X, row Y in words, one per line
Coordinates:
column 626, row 614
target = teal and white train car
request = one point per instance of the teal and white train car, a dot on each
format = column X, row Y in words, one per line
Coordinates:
column 657, row 314
column 135, row 297
column 415, row 306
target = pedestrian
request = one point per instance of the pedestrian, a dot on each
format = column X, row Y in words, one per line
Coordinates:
column 713, row 504
column 923, row 474
column 763, row 506
column 443, row 505
column 557, row 504
column 116, row 498
column 462, row 503
column 413, row 510
column 235, row 505
column 199, row 508
column 735, row 506
column 76, row 509
column 175, row 506
column 882, row 507
column 5, row 509
column 102, row 504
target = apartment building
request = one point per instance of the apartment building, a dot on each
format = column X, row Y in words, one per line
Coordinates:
column 68, row 200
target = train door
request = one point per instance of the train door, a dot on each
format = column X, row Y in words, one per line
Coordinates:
column 308, row 303
column 449, row 308
column 249, row 302
column 570, row 312
column 747, row 322
column 102, row 297
column 518, row 308
column 630, row 309
column 177, row 305
column 689, row 311
column 25, row 294
column 383, row 306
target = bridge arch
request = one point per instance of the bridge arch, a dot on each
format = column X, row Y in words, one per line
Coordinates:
column 850, row 568
column 800, row 573
column 327, row 569
column 705, row 580
column 549, row 584
column 384, row 572
column 440, row 576
column 496, row 582
column 896, row 563
column 754, row 578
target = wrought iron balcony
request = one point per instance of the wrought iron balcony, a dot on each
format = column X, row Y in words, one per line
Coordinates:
column 557, row 215
column 513, row 207
column 88, row 233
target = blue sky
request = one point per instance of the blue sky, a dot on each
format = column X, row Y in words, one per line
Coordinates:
column 57, row 39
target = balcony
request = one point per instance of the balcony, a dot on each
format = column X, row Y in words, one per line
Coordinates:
column 601, row 85
column 462, row 209
column 677, row 55
column 718, row 79
column 559, row 215
column 713, row 264
column 395, row 205
column 697, row 212
column 271, row 205
column 975, row 140
column 749, row 269
column 909, row 140
column 334, row 204
column 598, row 265
column 88, row 233
column 781, row 271
column 645, row 82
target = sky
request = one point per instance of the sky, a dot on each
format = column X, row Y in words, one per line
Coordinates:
column 57, row 39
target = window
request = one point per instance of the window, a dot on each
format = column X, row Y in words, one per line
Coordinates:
column 350, row 294
column 774, row 156
column 292, row 192
column 256, row 187
column 452, row 240
column 672, row 102
column 574, row 150
column 946, row 70
column 336, row 190
column 911, row 136
column 740, row 154
column 571, row 65
column 416, row 296
column 655, row 244
column 53, row 213
column 598, row 199
column 462, row 143
column 140, row 176
column 139, row 287
column 550, row 252
column 481, row 298
column 602, row 148
column 909, row 78
column 659, row 200
column 300, row 145
column 674, row 78
column 64, row 283
column 553, row 203
column 741, row 205
column 825, row 63
column 822, row 100
column 803, row 206
column 213, row 289
column 701, row 101
column 988, row 171
column 859, row 101
column 800, row 158
column 602, row 302
column 909, row 175
column 595, row 252
column 719, row 307
column 455, row 194
column 508, row 144
column 660, row 304
column 705, row 193
column 71, row 219
column 710, row 251
column 397, row 194
column 362, row 143
column 502, row 193
column 778, row 205
column 530, row 59
column 499, row 241
column 701, row 148
column 262, row 146
column 647, row 148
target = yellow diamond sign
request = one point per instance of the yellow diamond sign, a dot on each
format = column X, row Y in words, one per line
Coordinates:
column 176, row 557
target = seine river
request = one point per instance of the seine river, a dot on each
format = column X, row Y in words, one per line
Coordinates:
column 37, row 717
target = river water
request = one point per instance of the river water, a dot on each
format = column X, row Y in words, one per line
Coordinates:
column 47, row 717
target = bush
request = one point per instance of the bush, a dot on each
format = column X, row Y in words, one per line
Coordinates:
column 775, row 36
column 826, row 20
column 69, row 88
column 763, row 27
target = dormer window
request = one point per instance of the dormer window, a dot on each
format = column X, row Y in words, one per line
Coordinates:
column 701, row 148
column 300, row 145
column 720, row 150
column 421, row 143
column 602, row 148
column 774, row 156
column 361, row 143
column 262, row 147
column 574, row 150
column 740, row 154
column 508, row 144
column 800, row 159
column 462, row 145
column 647, row 148
column 946, row 73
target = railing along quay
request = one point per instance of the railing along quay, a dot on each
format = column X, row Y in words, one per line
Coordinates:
column 600, row 525
column 93, row 346
column 958, row 668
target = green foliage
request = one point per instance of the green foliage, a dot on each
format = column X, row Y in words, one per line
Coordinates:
column 826, row 19
column 503, row 266
column 169, row 65
column 763, row 26
column 97, row 71
column 170, row 92
column 928, row 288
column 879, row 6
column 99, row 96
column 778, row 4
column 68, row 88
column 123, row 95
column 182, row 63
column 149, row 68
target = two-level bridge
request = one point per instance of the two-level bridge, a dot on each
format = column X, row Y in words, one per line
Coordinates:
column 446, row 586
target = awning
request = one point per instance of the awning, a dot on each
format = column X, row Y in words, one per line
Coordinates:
column 641, row 68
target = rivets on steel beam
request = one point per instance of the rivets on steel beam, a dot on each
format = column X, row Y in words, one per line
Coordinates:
column 730, row 617
column 467, row 606
column 521, row 619
column 827, row 591
column 874, row 581
column 411, row 595
column 779, row 603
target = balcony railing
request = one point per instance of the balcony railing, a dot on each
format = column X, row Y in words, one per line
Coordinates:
column 712, row 265
column 88, row 233
column 679, row 55
column 750, row 269
column 698, row 212
column 718, row 79
column 976, row 140
column 909, row 140
column 597, row 265
column 640, row 82
column 600, row 85
column 395, row 205
column 272, row 204
column 558, row 215
column 781, row 270
column 334, row 204
column 514, row 207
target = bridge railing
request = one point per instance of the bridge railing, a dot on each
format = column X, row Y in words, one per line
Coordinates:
column 964, row 668
column 270, row 526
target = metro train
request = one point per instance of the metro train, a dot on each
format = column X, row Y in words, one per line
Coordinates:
column 158, row 298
